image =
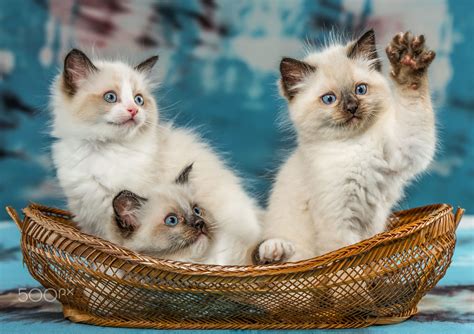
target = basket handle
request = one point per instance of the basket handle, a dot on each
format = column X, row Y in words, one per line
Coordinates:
column 457, row 216
column 16, row 218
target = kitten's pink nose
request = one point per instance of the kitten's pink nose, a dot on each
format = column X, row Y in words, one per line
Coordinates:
column 132, row 111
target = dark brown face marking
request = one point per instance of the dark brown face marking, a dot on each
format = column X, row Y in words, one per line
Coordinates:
column 76, row 68
column 126, row 206
column 197, row 223
column 353, row 113
column 292, row 73
column 348, row 111
column 365, row 47
column 350, row 103
column 147, row 64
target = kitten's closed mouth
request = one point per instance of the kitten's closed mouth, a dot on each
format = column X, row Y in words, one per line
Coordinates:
column 203, row 233
column 353, row 119
column 130, row 121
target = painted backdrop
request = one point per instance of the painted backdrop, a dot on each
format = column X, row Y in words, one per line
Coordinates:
column 218, row 68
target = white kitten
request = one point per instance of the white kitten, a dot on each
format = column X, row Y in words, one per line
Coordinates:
column 360, row 142
column 109, row 139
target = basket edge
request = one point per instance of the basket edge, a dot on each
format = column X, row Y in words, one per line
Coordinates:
column 257, row 270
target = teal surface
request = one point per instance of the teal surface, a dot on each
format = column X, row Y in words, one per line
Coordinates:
column 448, row 308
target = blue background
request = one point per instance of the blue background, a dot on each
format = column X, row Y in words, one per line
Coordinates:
column 218, row 68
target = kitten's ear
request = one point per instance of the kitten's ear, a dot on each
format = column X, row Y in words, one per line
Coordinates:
column 365, row 47
column 126, row 207
column 76, row 69
column 147, row 65
column 292, row 73
column 183, row 177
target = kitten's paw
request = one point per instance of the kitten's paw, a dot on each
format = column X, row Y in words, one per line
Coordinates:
column 274, row 251
column 409, row 58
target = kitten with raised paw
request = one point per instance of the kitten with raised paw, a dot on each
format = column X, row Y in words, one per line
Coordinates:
column 360, row 141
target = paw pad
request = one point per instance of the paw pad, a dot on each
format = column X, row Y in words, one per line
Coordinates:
column 409, row 57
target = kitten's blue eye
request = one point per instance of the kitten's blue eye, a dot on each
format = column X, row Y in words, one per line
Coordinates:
column 328, row 98
column 361, row 89
column 171, row 220
column 139, row 100
column 110, row 97
column 197, row 211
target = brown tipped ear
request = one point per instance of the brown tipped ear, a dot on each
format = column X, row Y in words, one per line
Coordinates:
column 147, row 65
column 126, row 206
column 183, row 177
column 292, row 73
column 365, row 47
column 76, row 69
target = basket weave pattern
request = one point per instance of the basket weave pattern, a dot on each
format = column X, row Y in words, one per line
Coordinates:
column 377, row 281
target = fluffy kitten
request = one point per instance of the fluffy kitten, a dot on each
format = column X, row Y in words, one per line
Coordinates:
column 109, row 138
column 360, row 141
column 169, row 224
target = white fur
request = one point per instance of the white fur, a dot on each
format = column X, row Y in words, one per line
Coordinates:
column 333, row 180
column 96, row 160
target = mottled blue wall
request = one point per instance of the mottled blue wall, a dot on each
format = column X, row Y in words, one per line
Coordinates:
column 218, row 67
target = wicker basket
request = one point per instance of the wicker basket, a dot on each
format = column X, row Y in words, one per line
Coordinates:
column 377, row 281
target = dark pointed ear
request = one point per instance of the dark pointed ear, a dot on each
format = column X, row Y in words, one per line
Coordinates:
column 126, row 207
column 292, row 73
column 365, row 47
column 76, row 69
column 147, row 65
column 183, row 177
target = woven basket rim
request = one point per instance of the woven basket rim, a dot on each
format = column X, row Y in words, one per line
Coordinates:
column 35, row 210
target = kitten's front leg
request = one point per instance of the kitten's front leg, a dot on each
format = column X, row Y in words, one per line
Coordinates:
column 410, row 59
column 414, row 128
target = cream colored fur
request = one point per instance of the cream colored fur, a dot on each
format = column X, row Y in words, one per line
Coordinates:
column 339, row 185
column 95, row 159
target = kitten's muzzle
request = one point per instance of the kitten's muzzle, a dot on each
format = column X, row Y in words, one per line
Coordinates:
column 350, row 103
column 199, row 224
column 352, row 107
column 132, row 111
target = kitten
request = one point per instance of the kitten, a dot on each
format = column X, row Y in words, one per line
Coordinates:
column 169, row 224
column 109, row 138
column 360, row 141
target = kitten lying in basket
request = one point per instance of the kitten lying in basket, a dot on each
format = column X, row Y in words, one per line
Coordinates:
column 169, row 224
column 360, row 142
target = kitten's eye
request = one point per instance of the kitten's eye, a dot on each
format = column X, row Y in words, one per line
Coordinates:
column 110, row 97
column 171, row 220
column 361, row 89
column 328, row 98
column 197, row 211
column 139, row 100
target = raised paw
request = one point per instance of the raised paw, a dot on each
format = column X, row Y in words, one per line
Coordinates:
column 274, row 251
column 409, row 58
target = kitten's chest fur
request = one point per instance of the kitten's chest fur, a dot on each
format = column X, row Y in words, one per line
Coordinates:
column 92, row 173
column 352, row 182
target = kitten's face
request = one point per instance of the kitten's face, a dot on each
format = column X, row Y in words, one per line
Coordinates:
column 333, row 94
column 169, row 224
column 109, row 100
column 174, row 226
